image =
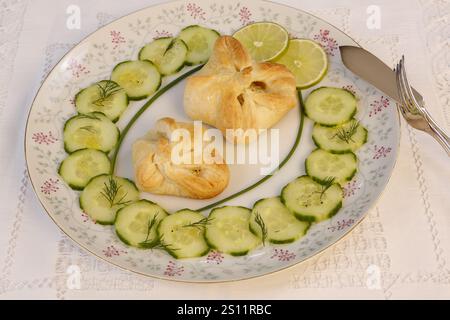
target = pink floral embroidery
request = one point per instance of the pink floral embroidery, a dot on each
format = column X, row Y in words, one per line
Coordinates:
column 214, row 257
column 116, row 38
column 50, row 186
column 350, row 88
column 282, row 255
column 162, row 34
column 77, row 68
column 44, row 138
column 381, row 152
column 172, row 269
column 195, row 11
column 341, row 225
column 245, row 16
column 328, row 43
column 351, row 188
column 379, row 105
column 112, row 251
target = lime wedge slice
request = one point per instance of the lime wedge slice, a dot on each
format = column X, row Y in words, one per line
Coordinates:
column 307, row 61
column 263, row 40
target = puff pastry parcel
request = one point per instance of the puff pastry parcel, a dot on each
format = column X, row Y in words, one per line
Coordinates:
column 156, row 173
column 231, row 91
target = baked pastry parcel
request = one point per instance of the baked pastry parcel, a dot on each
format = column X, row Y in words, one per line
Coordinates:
column 233, row 92
column 156, row 172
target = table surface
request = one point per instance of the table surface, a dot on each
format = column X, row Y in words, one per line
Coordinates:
column 401, row 250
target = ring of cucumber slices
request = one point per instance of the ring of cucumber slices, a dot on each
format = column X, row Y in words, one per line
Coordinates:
column 113, row 200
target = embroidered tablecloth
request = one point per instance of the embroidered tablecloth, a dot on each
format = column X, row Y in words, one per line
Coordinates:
column 401, row 250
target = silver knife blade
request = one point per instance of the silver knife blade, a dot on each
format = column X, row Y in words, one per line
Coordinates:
column 367, row 66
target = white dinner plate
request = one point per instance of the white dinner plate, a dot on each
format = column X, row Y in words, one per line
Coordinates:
column 93, row 59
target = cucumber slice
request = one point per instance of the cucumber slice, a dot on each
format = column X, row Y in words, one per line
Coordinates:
column 82, row 165
column 90, row 131
column 200, row 42
column 311, row 201
column 136, row 224
column 347, row 137
column 139, row 78
column 104, row 195
column 228, row 231
column 280, row 224
column 168, row 54
column 322, row 165
column 105, row 96
column 183, row 233
column 154, row 50
column 330, row 106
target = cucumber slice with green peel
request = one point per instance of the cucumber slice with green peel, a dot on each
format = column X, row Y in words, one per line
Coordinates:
column 154, row 50
column 168, row 54
column 322, row 165
column 228, row 231
column 200, row 42
column 90, row 131
column 183, row 234
column 272, row 220
column 330, row 106
column 136, row 224
column 347, row 137
column 312, row 201
column 82, row 165
column 139, row 78
column 105, row 96
column 104, row 195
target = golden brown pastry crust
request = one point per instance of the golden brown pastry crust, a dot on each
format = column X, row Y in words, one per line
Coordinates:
column 156, row 173
column 231, row 91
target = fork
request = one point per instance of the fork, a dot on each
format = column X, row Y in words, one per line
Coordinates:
column 414, row 112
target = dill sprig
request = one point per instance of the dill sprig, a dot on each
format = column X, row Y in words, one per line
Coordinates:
column 200, row 224
column 151, row 223
column 110, row 192
column 327, row 183
column 107, row 89
column 346, row 134
column 262, row 225
column 158, row 243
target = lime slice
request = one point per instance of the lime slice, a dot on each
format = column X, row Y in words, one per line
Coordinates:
column 307, row 61
column 263, row 40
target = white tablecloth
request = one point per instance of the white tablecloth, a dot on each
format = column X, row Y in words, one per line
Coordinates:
column 404, row 244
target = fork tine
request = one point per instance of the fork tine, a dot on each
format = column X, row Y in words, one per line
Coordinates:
column 409, row 91
column 403, row 89
column 403, row 105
